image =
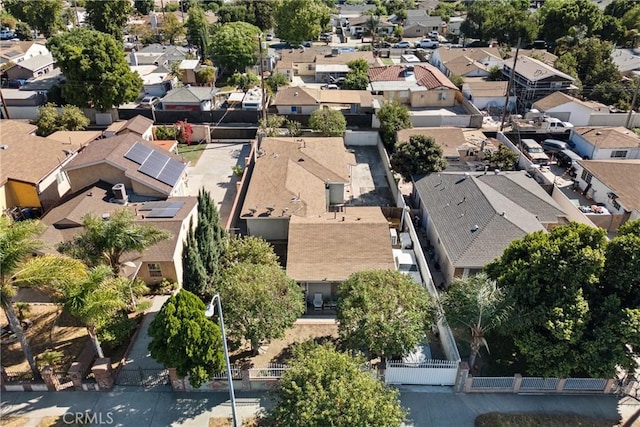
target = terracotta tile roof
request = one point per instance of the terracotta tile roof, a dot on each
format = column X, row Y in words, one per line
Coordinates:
column 27, row 157
column 112, row 150
column 65, row 220
column 324, row 247
column 386, row 73
column 609, row 137
column 620, row 176
column 431, row 77
column 290, row 174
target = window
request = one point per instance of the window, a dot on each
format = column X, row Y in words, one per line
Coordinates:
column 294, row 109
column 616, row 204
column 154, row 270
column 310, row 67
column 442, row 96
column 619, row 154
column 586, row 176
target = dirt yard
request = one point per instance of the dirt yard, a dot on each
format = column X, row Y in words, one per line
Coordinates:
column 51, row 330
column 278, row 351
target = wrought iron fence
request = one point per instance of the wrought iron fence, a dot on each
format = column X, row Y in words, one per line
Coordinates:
column 272, row 370
column 142, row 377
column 18, row 376
column 539, row 383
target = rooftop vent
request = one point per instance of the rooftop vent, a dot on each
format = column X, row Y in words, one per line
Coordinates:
column 474, row 228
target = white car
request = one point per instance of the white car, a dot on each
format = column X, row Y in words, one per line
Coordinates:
column 428, row 44
column 149, row 101
column 402, row 45
column 269, row 37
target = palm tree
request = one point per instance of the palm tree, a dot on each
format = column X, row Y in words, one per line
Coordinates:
column 478, row 304
column 107, row 241
column 17, row 267
column 96, row 300
column 372, row 24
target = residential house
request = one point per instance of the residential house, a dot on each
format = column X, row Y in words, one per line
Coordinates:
column 31, row 167
column 18, row 51
column 30, row 68
column 481, row 59
column 613, row 184
column 358, row 26
column 569, row 109
column 321, row 63
column 463, row 149
column 606, row 143
column 470, row 219
column 138, row 125
column 305, row 100
column 487, row 95
column 76, row 137
column 144, row 169
column 189, row 98
column 188, row 69
column 323, row 249
column 294, row 177
column 627, row 61
column 539, row 54
column 159, row 55
column 453, row 26
column 419, row 85
column 156, row 81
column 420, row 24
column 160, row 261
column 534, row 79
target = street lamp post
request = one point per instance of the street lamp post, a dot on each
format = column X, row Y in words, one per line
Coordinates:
column 209, row 312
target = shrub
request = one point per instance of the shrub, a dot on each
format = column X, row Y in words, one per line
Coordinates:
column 117, row 332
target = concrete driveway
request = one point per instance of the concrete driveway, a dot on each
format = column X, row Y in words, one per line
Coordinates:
column 214, row 172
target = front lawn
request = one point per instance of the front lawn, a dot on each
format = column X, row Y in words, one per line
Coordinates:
column 494, row 419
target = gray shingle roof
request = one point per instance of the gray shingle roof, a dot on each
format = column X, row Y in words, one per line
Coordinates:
column 456, row 205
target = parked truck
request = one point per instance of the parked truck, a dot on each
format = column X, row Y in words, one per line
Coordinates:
column 540, row 124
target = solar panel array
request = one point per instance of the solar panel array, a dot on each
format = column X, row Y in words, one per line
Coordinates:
column 155, row 164
column 165, row 209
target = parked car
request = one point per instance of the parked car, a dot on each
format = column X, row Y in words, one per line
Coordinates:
column 330, row 87
column 567, row 158
column 6, row 34
column 149, row 101
column 268, row 37
column 534, row 152
column 306, row 44
column 402, row 45
column 554, row 145
column 428, row 44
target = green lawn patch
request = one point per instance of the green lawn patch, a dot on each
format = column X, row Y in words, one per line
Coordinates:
column 387, row 61
column 494, row 419
column 192, row 153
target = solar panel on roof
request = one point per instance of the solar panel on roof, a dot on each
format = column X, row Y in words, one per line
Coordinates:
column 172, row 172
column 147, row 206
column 163, row 213
column 154, row 164
column 138, row 153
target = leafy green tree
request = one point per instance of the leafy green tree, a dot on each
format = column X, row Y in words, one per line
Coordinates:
column 232, row 12
column 393, row 117
column 105, row 242
column 558, row 16
column 567, row 324
column 504, row 158
column 358, row 65
column 43, row 15
column 23, row 31
column 618, row 8
column 144, row 7
column 357, row 78
column 72, row 118
column 622, row 264
column 210, row 235
column 260, row 12
column 299, row 20
column 324, row 387
column 183, row 338
column 612, row 93
column 478, row 306
column 206, row 75
column 96, row 300
column 275, row 81
column 47, row 121
column 172, row 28
column 50, row 120
column 244, row 81
column 420, row 155
column 198, row 29
column 249, row 249
column 261, row 302
column 95, row 69
column 503, row 20
column 383, row 313
column 109, row 17
column 234, row 46
column 294, row 127
column 372, row 25
column 18, row 241
column 329, row 122
column 612, row 30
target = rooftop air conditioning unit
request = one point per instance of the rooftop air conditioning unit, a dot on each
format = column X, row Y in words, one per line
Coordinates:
column 120, row 194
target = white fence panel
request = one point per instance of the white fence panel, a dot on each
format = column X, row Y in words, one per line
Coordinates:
column 273, row 370
column 480, row 383
column 360, row 138
column 585, row 384
column 432, row 372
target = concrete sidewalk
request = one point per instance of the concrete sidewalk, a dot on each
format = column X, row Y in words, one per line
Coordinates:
column 429, row 406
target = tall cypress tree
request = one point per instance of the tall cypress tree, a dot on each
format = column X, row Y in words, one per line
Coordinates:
column 210, row 236
column 194, row 276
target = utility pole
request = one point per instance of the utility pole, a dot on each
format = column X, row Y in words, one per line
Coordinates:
column 509, row 86
column 633, row 104
column 264, row 94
